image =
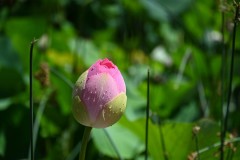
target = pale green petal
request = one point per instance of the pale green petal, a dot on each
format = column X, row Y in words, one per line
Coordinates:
column 111, row 112
column 80, row 112
column 82, row 80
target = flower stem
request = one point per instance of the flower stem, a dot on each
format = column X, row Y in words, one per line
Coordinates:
column 86, row 135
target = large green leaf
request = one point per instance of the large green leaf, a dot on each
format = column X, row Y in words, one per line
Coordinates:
column 130, row 133
column 128, row 143
column 177, row 135
column 166, row 135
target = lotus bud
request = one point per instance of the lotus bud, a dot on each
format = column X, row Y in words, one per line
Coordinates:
column 99, row 95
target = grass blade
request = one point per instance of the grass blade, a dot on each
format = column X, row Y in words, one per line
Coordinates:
column 31, row 99
column 147, row 117
column 225, row 117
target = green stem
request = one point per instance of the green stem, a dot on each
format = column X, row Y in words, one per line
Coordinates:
column 147, row 116
column 31, row 98
column 113, row 144
column 86, row 135
column 197, row 147
column 215, row 145
column 225, row 117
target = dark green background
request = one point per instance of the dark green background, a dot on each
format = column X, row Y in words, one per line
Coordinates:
column 179, row 41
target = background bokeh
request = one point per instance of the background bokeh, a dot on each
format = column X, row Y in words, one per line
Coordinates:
column 180, row 42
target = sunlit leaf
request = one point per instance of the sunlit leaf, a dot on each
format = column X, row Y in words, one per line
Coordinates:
column 169, row 132
column 127, row 143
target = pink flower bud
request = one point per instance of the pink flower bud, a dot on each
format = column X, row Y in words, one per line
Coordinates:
column 99, row 95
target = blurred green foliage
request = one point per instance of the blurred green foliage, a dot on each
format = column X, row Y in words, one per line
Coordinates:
column 181, row 43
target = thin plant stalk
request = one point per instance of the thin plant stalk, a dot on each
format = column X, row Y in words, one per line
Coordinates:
column 197, row 147
column 113, row 144
column 147, row 117
column 222, row 77
column 31, row 99
column 36, row 125
column 215, row 145
column 225, row 122
column 62, row 77
column 85, row 139
column 74, row 153
column 223, row 82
